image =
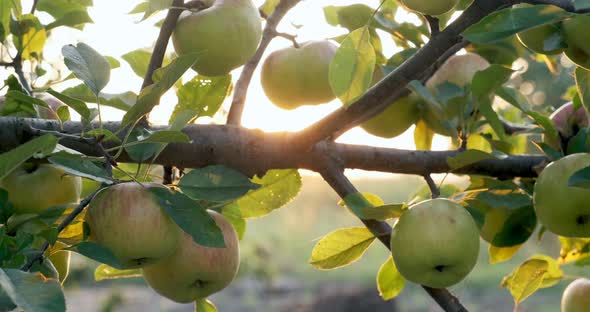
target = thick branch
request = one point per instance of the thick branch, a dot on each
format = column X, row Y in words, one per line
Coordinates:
column 254, row 151
column 334, row 175
column 237, row 106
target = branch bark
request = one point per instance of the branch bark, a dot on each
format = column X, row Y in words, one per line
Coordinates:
column 255, row 152
column 238, row 102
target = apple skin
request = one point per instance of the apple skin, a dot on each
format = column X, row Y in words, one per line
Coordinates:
column 396, row 118
column 534, row 38
column 576, row 296
column 458, row 70
column 430, row 7
column 194, row 271
column 32, row 188
column 435, row 243
column 567, row 122
column 292, row 77
column 226, row 35
column 127, row 219
column 577, row 39
column 564, row 210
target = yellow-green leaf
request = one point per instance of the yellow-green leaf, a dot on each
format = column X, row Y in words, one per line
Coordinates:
column 389, row 282
column 501, row 254
column 526, row 279
column 104, row 272
column 278, row 187
column 423, row 136
column 351, row 70
column 340, row 248
column 204, row 305
column 554, row 273
column 574, row 249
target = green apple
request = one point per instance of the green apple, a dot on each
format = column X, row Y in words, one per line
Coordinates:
column 430, row 7
column 577, row 39
column 458, row 70
column 127, row 219
column 564, row 210
column 60, row 260
column 535, row 38
column 567, row 123
column 225, row 35
column 576, row 296
column 194, row 271
column 292, row 76
column 396, row 118
column 33, row 188
column 435, row 243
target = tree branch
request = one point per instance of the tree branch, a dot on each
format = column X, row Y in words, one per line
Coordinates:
column 334, row 175
column 434, row 190
column 237, row 106
column 254, row 151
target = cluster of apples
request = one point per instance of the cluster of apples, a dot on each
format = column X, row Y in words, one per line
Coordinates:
column 128, row 220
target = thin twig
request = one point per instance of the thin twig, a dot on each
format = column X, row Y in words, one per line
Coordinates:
column 434, row 190
column 39, row 255
column 433, row 22
column 241, row 90
column 34, row 7
column 292, row 38
column 18, row 69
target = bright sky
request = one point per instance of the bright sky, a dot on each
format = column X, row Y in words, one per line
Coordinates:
column 115, row 33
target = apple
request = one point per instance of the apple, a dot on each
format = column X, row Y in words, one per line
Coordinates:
column 53, row 103
column 568, row 123
column 576, row 296
column 127, row 219
column 194, row 271
column 292, row 76
column 33, row 188
column 430, row 7
column 225, row 35
column 563, row 209
column 577, row 40
column 60, row 260
column 396, row 118
column 458, row 70
column 435, row 243
column 535, row 38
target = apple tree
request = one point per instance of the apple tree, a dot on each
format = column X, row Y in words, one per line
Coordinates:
column 170, row 202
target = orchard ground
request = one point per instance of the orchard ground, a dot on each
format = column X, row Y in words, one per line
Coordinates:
column 278, row 279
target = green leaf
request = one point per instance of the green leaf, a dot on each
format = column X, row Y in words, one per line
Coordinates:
column 340, row 248
column 77, row 105
column 123, row 101
column 105, row 272
column 42, row 145
column 82, row 166
column 369, row 206
column 88, row 65
column 155, row 6
column 139, row 61
column 59, row 8
column 278, row 187
column 150, row 96
column 268, row 6
column 423, row 136
column 96, row 252
column 5, row 10
column 233, row 214
column 510, row 21
column 483, row 91
column 75, row 19
column 389, row 281
column 203, row 95
column 351, row 70
column 191, row 217
column 467, row 158
column 526, row 279
column 204, row 305
column 583, row 85
column 546, row 123
column 215, row 183
column 580, row 178
column 32, row 291
column 433, row 109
